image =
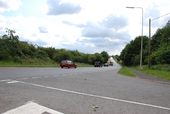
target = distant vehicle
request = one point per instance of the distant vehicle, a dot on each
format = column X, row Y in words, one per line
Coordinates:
column 106, row 65
column 97, row 64
column 67, row 64
column 111, row 64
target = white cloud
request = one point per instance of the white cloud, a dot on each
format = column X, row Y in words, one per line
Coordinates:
column 40, row 42
column 90, row 25
column 43, row 29
column 56, row 7
column 3, row 4
column 107, row 28
column 92, row 30
column 9, row 5
column 116, row 22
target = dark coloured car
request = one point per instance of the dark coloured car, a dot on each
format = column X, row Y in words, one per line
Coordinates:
column 67, row 64
column 97, row 64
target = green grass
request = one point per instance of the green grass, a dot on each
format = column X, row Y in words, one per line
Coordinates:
column 126, row 72
column 29, row 63
column 160, row 73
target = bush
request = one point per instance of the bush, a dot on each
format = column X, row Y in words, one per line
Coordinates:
column 136, row 60
column 164, row 67
column 4, row 55
column 161, row 56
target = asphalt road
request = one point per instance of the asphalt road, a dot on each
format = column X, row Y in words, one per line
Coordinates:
column 82, row 91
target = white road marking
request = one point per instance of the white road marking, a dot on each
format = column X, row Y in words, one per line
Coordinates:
column 14, row 81
column 32, row 108
column 5, row 80
column 97, row 96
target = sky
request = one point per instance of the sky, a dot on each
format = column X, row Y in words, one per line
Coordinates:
column 88, row 26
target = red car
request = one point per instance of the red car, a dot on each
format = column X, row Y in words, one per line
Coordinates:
column 67, row 64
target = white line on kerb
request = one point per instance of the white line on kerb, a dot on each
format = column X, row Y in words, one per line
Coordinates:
column 97, row 96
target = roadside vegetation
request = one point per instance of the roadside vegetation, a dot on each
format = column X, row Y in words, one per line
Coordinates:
column 14, row 52
column 29, row 63
column 159, row 57
column 127, row 72
column 158, row 71
column 160, row 49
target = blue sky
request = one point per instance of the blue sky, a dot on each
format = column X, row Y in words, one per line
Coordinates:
column 86, row 25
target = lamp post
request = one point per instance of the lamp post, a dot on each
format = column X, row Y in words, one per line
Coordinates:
column 141, row 51
column 149, row 44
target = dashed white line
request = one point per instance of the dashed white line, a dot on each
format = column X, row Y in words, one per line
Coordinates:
column 97, row 96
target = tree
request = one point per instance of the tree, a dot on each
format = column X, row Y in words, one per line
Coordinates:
column 105, row 56
column 161, row 56
column 62, row 55
column 10, row 33
column 160, row 46
column 130, row 55
column 14, row 50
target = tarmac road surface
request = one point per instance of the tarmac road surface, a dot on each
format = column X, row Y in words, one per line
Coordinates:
column 80, row 91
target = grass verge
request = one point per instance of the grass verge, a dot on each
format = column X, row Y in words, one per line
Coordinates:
column 28, row 63
column 158, row 72
column 126, row 72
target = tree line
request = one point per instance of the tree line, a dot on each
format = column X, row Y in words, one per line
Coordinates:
column 160, row 49
column 12, row 49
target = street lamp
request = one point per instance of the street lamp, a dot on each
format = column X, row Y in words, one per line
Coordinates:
column 149, row 47
column 141, row 51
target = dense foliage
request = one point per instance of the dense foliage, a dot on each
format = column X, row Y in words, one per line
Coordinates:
column 130, row 55
column 11, row 49
column 160, row 49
